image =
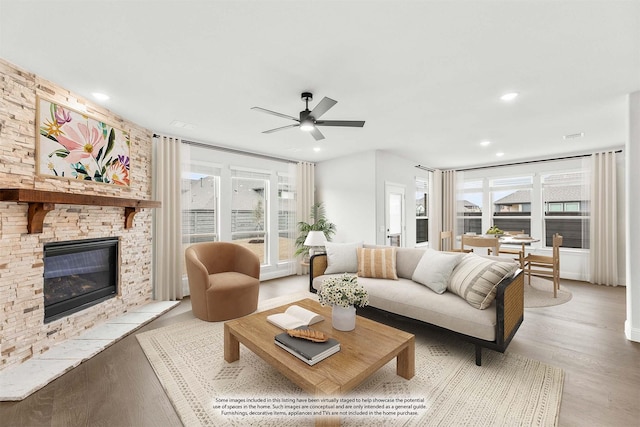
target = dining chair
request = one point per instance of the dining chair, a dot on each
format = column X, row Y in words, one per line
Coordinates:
column 517, row 253
column 446, row 242
column 547, row 266
column 491, row 243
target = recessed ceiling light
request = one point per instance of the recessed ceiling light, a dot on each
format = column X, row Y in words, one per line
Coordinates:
column 316, row 149
column 485, row 143
column 509, row 96
column 100, row 96
column 499, row 154
column 574, row 135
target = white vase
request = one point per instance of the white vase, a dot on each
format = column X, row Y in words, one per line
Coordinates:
column 343, row 319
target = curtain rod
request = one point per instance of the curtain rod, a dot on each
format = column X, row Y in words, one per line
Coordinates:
column 578, row 156
column 233, row 150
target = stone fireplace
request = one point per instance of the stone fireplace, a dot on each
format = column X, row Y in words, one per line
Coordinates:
column 24, row 302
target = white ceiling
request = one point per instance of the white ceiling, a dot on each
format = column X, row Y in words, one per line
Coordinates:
column 425, row 75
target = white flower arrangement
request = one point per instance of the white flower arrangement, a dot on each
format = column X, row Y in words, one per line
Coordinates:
column 343, row 291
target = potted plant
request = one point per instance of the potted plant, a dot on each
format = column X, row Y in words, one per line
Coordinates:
column 343, row 293
column 320, row 223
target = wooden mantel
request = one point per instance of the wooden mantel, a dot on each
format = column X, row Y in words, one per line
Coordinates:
column 42, row 202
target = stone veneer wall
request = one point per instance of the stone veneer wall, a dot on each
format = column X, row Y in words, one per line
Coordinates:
column 23, row 333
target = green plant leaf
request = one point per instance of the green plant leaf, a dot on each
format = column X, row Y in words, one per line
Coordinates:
column 112, row 142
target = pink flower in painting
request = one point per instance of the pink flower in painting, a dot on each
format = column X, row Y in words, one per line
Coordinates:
column 81, row 145
column 62, row 116
column 118, row 173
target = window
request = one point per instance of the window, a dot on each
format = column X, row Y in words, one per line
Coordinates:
column 286, row 217
column 249, row 211
column 511, row 199
column 200, row 208
column 422, row 210
column 566, row 209
column 470, row 207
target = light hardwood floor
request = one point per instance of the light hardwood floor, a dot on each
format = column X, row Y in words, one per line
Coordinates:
column 584, row 337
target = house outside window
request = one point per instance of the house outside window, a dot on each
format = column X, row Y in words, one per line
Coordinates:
column 566, row 209
column 470, row 207
column 512, row 203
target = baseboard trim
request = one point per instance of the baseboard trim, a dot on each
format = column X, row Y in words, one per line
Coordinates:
column 632, row 334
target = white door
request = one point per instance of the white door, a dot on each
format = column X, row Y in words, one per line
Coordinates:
column 394, row 214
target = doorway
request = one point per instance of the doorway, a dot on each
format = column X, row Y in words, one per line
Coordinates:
column 394, row 214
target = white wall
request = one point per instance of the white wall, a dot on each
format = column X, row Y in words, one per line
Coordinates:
column 347, row 187
column 353, row 191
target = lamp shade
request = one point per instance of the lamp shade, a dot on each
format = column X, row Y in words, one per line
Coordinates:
column 315, row 238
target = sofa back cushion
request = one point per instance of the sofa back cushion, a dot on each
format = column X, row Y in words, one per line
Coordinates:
column 406, row 259
column 377, row 263
column 342, row 257
column 435, row 268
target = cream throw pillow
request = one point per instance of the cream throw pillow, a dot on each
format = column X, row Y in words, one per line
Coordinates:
column 342, row 257
column 434, row 269
column 476, row 278
column 377, row 263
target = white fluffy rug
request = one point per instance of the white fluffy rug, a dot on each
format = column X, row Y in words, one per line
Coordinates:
column 447, row 390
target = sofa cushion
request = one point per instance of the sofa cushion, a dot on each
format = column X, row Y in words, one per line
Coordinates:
column 342, row 257
column 377, row 263
column 435, row 268
column 476, row 278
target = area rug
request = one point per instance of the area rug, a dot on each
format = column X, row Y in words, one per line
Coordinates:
column 448, row 388
column 540, row 293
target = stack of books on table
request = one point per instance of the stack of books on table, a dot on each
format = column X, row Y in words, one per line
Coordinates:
column 308, row 351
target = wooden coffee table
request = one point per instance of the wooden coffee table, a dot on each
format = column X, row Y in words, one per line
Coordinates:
column 362, row 351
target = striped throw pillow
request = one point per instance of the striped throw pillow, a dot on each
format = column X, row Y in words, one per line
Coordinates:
column 476, row 279
column 379, row 263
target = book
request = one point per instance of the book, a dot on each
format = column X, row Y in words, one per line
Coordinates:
column 308, row 351
column 294, row 317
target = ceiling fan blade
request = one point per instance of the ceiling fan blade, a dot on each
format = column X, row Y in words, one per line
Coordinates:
column 322, row 107
column 281, row 128
column 264, row 110
column 316, row 134
column 348, row 123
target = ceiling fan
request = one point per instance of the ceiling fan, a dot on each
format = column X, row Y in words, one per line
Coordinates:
column 308, row 120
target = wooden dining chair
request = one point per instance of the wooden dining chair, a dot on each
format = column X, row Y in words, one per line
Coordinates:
column 446, row 242
column 547, row 266
column 491, row 243
column 516, row 253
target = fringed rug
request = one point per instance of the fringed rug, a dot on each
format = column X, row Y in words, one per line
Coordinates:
column 540, row 293
column 447, row 390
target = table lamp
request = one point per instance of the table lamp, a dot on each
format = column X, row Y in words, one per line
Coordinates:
column 314, row 239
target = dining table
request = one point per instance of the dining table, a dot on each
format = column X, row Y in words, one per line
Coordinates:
column 518, row 240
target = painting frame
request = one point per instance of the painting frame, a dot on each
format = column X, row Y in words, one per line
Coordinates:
column 73, row 145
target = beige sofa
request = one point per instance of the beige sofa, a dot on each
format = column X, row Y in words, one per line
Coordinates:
column 492, row 327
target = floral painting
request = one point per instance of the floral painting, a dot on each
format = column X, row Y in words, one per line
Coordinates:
column 74, row 146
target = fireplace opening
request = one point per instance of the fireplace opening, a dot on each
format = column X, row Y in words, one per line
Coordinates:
column 79, row 274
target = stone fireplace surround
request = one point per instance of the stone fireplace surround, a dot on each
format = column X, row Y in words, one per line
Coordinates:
column 23, row 333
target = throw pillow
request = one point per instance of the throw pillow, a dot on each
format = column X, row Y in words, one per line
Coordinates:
column 476, row 278
column 378, row 263
column 434, row 269
column 342, row 257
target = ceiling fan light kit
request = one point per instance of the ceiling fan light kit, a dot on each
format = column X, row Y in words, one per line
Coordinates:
column 308, row 120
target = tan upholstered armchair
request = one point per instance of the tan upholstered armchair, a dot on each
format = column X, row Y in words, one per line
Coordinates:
column 224, row 279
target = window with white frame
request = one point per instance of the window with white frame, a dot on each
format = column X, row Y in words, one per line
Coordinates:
column 566, row 208
column 511, row 201
column 250, row 211
column 286, row 217
column 469, row 207
column 422, row 210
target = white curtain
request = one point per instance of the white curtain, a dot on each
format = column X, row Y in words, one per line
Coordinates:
column 435, row 211
column 305, row 190
column 603, row 232
column 449, row 203
column 168, row 254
